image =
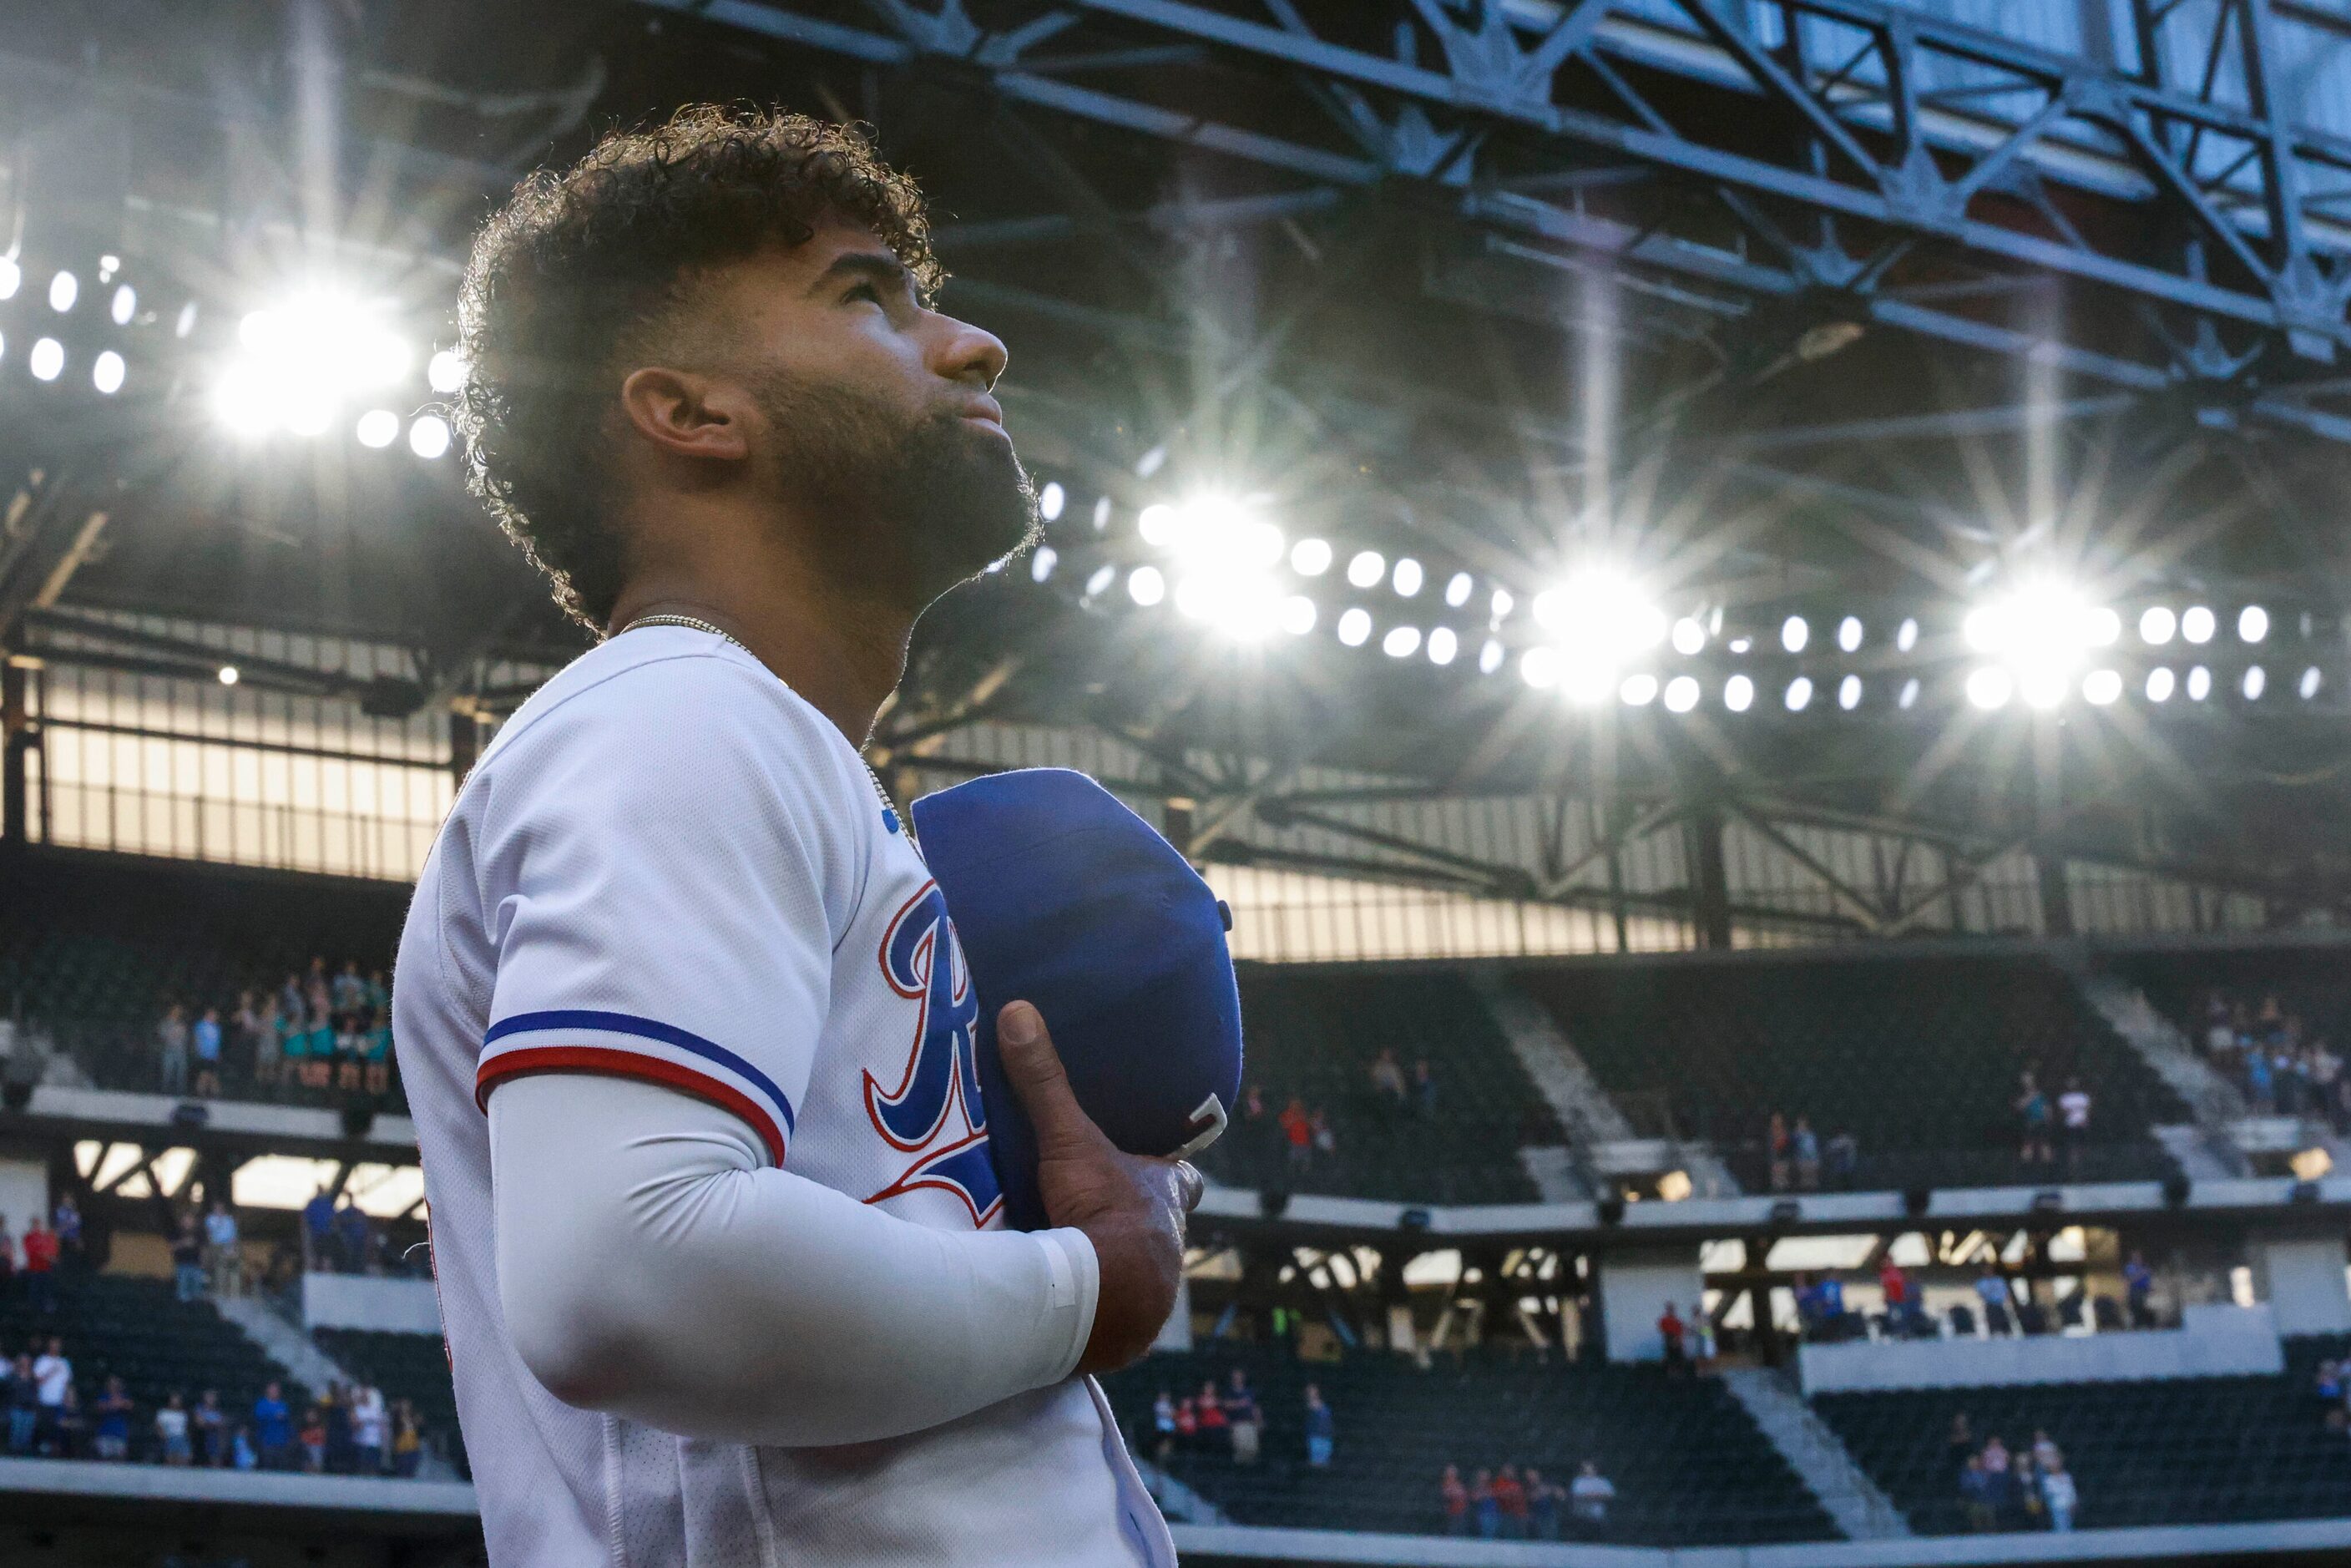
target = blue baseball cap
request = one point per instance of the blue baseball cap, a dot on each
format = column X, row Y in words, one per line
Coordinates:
column 1062, row 897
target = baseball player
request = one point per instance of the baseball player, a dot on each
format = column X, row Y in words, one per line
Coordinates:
column 681, row 1015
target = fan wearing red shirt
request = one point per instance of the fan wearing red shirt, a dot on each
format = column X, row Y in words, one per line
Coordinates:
column 1511, row 1502
column 1457, row 1501
column 40, row 1264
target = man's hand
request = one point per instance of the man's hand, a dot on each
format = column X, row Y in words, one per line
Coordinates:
column 1130, row 1208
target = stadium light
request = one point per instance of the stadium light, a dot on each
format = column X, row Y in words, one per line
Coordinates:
column 1799, row 694
column 229, row 675
column 1401, row 643
column 1223, row 555
column 1490, row 655
column 1049, row 500
column 1041, row 564
column 428, row 437
column 12, row 277
column 2252, row 624
column 1909, row 697
column 2102, row 688
column 125, row 305
column 2257, row 681
column 1355, row 627
column 2040, row 633
column 1794, row 632
column 2199, row 684
column 1849, row 633
column 2156, row 624
column 1690, row 636
column 297, row 363
column 2311, row 681
column 1367, row 568
column 1539, row 667
column 106, row 372
column 185, row 323
column 1407, row 578
column 64, row 290
column 1503, row 603
column 1458, row 588
column 1906, row 636
column 1849, row 693
column 1442, row 645
column 1146, row 586
column 1681, row 694
column 1639, row 690
column 1310, row 558
column 1099, row 582
column 1102, row 513
column 1296, row 615
column 2161, row 684
column 1989, row 686
column 47, row 360
column 445, row 372
column 377, row 427
column 2197, row 624
column 1738, row 694
column 1598, row 620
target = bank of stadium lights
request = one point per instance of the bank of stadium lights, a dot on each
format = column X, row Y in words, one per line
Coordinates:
column 1223, row 554
column 298, row 364
column 1593, row 623
column 2038, row 636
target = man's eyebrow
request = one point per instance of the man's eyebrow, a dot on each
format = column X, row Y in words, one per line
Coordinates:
column 880, row 268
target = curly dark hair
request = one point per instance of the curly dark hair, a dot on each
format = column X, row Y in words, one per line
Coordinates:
column 580, row 266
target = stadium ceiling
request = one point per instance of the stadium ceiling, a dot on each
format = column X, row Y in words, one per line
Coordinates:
column 1836, row 309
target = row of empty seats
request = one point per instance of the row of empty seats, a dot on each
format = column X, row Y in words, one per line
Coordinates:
column 2188, row 1451
column 1689, row 1467
column 1919, row 1059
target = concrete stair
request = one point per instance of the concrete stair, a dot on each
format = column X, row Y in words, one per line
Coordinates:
column 1816, row 1454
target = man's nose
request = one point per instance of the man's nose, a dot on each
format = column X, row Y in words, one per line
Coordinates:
column 967, row 353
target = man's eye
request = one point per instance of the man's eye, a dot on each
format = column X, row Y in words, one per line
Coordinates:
column 864, row 291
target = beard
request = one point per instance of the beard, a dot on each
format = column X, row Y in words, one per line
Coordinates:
column 906, row 507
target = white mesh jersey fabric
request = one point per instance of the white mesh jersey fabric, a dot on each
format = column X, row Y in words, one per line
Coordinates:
column 669, row 866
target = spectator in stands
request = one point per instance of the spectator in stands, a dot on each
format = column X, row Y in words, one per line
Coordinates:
column 1992, row 1290
column 71, row 1254
column 73, row 1426
column 1959, row 1447
column 2139, row 1291
column 171, row 1431
column 273, row 1428
column 407, row 1440
column 1321, row 1429
column 113, row 1411
column 371, row 1429
column 2059, row 1496
column 1511, row 1502
column 1589, row 1496
column 1804, row 1145
column 1298, row 1136
column 318, row 1235
column 1543, row 1500
column 355, row 1239
column 2033, row 1117
column 1483, row 1507
column 211, row 1424
column 1901, row 1306
column 204, row 1041
column 2260, row 1087
column 1777, row 1149
column 2327, row 1082
column 1424, row 1090
column 253, row 1039
column 54, row 1374
column 1978, row 1496
column 1209, row 1413
column 188, row 1260
column 171, row 1049
column 1163, row 1427
column 2073, row 1122
column 1246, row 1420
column 40, row 1266
column 2022, row 1508
column 1673, row 1332
column 1188, row 1426
column 221, row 1255
column 242, row 1454
column 312, row 1441
column 24, row 1399
column 1996, row 1467
column 1387, row 1078
column 1843, row 1160
column 1455, row 1497
column 1326, row 1136
column 2046, row 1454
column 375, row 1049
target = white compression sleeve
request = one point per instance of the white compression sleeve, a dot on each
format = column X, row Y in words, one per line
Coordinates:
column 652, row 1265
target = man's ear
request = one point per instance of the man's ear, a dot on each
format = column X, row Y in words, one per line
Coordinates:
column 685, row 414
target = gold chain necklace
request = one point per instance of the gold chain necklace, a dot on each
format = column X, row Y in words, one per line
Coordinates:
column 693, row 623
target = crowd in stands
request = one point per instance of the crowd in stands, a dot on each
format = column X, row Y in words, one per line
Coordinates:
column 1800, row 1161
column 345, row 1431
column 2283, row 1068
column 1505, row 1505
column 1282, row 1147
column 1228, row 1424
column 319, row 1031
column 43, row 1251
column 2000, row 1489
column 2048, row 1129
column 2004, row 1305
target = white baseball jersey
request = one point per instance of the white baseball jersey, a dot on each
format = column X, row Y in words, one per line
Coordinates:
column 745, row 922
